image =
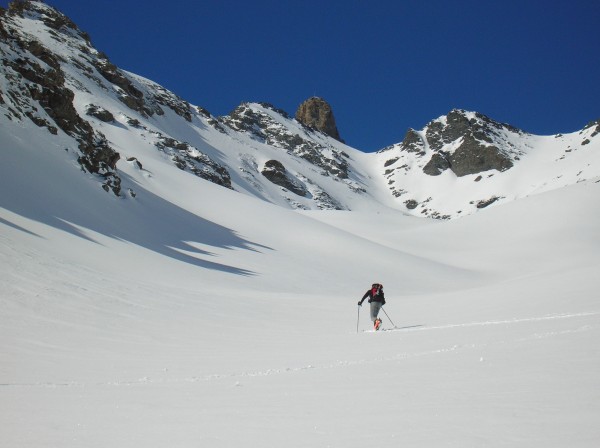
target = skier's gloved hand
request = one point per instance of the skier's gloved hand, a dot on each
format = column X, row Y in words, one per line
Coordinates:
column 359, row 304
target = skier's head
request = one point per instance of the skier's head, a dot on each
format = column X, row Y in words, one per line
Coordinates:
column 377, row 287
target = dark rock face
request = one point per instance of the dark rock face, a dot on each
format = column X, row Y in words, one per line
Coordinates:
column 48, row 89
column 276, row 173
column 475, row 152
column 461, row 143
column 32, row 86
column 188, row 158
column 437, row 164
column 128, row 93
column 100, row 113
column 472, row 157
column 42, row 86
column 473, row 143
column 413, row 142
column 316, row 113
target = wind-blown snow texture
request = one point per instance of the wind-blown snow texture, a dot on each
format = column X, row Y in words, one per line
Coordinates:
column 193, row 314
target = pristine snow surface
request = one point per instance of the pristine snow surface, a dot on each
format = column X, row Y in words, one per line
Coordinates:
column 194, row 316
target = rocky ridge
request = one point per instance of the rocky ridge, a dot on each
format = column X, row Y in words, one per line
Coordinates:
column 45, row 75
column 59, row 81
column 111, row 121
column 38, row 88
column 465, row 143
column 267, row 128
column 325, row 158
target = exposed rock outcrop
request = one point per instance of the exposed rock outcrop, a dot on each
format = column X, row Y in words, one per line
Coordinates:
column 316, row 113
column 466, row 143
column 437, row 164
column 276, row 173
column 43, row 82
column 37, row 81
column 188, row 158
column 100, row 113
column 460, row 143
column 473, row 157
column 257, row 120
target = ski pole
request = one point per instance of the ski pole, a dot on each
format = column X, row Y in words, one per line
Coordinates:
column 358, row 318
column 388, row 316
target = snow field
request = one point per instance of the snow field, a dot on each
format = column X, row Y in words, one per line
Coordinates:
column 108, row 341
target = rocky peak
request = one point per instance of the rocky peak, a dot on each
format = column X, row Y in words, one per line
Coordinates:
column 316, row 113
column 464, row 142
column 274, row 127
column 460, row 144
column 49, row 16
column 38, row 88
column 48, row 69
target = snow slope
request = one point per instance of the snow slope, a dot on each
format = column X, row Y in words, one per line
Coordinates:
column 193, row 315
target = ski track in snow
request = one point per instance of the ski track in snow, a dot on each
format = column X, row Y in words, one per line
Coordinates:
column 495, row 322
column 350, row 363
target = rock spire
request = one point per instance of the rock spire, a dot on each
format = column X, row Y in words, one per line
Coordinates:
column 316, row 113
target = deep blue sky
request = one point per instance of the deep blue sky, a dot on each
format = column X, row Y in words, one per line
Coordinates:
column 384, row 66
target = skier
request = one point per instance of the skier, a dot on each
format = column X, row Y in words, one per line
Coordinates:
column 377, row 300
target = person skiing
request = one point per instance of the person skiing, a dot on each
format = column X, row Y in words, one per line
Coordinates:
column 377, row 300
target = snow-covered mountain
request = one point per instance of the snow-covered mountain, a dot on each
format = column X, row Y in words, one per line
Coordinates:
column 465, row 161
column 116, row 125
column 171, row 278
column 109, row 120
